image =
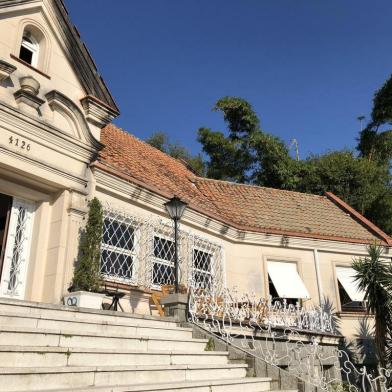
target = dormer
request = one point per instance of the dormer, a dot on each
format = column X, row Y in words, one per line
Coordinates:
column 39, row 44
column 33, row 45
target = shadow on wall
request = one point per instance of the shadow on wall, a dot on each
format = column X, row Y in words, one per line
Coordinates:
column 364, row 340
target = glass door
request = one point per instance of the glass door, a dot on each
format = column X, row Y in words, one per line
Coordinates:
column 16, row 248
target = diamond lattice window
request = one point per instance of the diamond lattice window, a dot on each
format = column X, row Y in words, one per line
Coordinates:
column 202, row 269
column 118, row 250
column 164, row 262
column 140, row 251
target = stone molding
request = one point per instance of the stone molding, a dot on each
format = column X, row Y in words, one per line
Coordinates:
column 65, row 31
column 6, row 69
column 29, row 99
column 27, row 96
column 97, row 113
column 58, row 101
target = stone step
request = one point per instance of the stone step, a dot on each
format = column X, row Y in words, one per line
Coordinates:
column 61, row 312
column 43, row 379
column 130, row 327
column 17, row 336
column 21, row 356
column 252, row 384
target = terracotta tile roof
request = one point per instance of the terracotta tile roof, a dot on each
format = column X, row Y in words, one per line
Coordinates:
column 245, row 207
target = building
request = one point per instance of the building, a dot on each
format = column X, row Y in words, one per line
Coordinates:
column 58, row 149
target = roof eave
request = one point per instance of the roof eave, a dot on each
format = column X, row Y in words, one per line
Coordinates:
column 195, row 207
column 360, row 218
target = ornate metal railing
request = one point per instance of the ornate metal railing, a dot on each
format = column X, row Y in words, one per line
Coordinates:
column 301, row 342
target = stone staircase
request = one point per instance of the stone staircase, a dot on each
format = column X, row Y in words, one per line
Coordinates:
column 56, row 348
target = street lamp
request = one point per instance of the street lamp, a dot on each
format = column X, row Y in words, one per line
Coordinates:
column 175, row 207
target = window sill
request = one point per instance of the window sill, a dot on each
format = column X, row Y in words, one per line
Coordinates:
column 29, row 66
column 353, row 313
column 127, row 287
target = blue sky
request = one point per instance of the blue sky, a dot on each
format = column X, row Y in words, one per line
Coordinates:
column 308, row 67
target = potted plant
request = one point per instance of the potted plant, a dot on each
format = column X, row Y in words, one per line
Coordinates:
column 86, row 282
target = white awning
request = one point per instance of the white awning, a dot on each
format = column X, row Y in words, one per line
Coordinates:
column 346, row 278
column 286, row 280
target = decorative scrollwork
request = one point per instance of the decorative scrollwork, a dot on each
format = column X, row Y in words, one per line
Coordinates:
column 140, row 251
column 285, row 336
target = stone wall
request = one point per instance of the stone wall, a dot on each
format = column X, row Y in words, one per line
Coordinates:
column 281, row 377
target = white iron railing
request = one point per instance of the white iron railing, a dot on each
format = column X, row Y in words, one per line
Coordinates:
column 290, row 337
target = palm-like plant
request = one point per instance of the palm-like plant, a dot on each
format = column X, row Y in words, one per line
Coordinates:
column 373, row 276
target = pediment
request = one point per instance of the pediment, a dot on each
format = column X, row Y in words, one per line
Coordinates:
column 68, row 42
column 70, row 119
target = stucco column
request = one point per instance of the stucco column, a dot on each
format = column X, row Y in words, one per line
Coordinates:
column 77, row 211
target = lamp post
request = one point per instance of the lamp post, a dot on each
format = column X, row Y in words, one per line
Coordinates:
column 175, row 207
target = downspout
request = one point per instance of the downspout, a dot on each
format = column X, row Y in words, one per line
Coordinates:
column 318, row 277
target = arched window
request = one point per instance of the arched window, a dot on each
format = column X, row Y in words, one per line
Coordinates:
column 29, row 50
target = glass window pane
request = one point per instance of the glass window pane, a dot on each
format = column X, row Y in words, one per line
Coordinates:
column 162, row 274
column 164, row 249
column 117, row 234
column 116, row 264
column 201, row 260
column 26, row 55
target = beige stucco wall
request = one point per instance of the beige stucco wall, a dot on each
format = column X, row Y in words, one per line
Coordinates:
column 54, row 174
column 53, row 63
column 246, row 259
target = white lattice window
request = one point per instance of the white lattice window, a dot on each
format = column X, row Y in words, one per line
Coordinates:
column 202, row 268
column 163, row 269
column 119, row 249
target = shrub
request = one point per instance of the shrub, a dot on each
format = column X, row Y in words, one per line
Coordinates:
column 87, row 275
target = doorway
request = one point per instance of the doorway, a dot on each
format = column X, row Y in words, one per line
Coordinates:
column 5, row 211
column 16, row 223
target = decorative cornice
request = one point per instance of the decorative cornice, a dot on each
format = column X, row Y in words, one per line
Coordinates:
column 6, row 69
column 82, row 61
column 55, row 98
column 97, row 112
column 42, row 132
column 27, row 98
column 80, row 58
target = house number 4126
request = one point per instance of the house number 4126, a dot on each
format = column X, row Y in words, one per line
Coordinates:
column 22, row 144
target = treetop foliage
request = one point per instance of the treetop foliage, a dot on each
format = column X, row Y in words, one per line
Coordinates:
column 160, row 140
column 245, row 153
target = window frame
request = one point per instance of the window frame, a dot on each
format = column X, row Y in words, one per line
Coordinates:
column 344, row 308
column 158, row 260
column 133, row 253
column 32, row 46
column 211, row 273
column 282, row 259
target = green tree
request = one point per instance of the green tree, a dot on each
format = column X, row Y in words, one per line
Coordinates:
column 375, row 143
column 246, row 154
column 231, row 157
column 160, row 140
column 87, row 275
column 356, row 180
column 382, row 104
column 374, row 277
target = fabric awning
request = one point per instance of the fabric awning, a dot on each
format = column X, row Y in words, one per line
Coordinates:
column 346, row 278
column 286, row 280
